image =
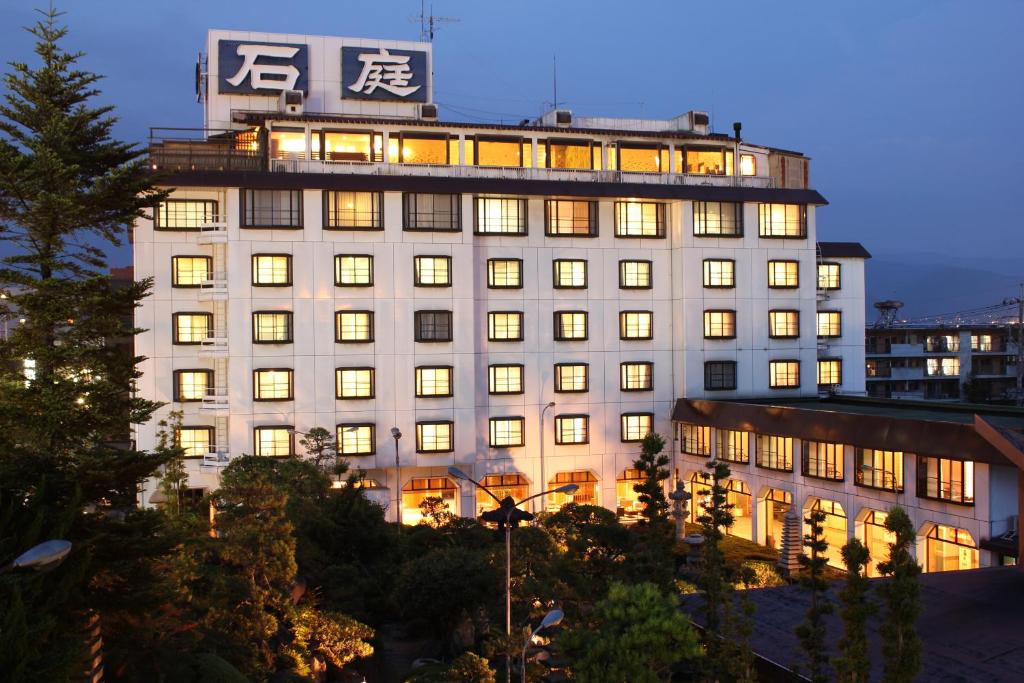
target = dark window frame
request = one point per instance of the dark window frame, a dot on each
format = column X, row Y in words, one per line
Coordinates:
column 593, row 229
column 803, row 223
column 799, row 371
column 704, row 324
column 509, row 139
column 558, row 329
column 828, row 336
column 451, row 433
column 922, row 480
column 416, row 275
column 705, row 274
column 622, row 426
column 859, row 470
column 174, row 272
column 522, row 383
column 839, row 276
column 522, row 326
column 373, row 439
column 708, row 370
column 337, row 329
column 373, row 383
column 353, row 284
column 500, row 418
column 174, row 326
column 289, row 315
column 817, row 369
column 573, row 416
column 418, row 322
column 252, row 266
column 409, row 199
column 622, row 375
column 554, row 273
column 524, row 211
column 622, row 325
column 622, row 274
column 772, row 334
column 568, row 142
column 256, row 441
column 378, row 215
column 490, row 261
column 291, row 385
column 805, row 461
column 183, row 200
column 211, row 434
column 177, row 383
column 762, row 463
column 244, row 218
column 557, row 378
column 451, row 381
column 778, row 260
column 402, row 136
column 702, row 210
column 661, row 222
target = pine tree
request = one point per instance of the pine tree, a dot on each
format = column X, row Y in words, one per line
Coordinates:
column 901, row 596
column 812, row 632
column 651, row 558
column 853, row 664
column 651, row 490
column 717, row 516
column 66, row 399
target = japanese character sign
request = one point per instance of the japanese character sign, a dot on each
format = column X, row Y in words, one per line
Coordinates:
column 384, row 74
column 262, row 68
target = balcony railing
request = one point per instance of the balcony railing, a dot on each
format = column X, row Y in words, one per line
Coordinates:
column 216, row 457
column 216, row 399
column 189, row 150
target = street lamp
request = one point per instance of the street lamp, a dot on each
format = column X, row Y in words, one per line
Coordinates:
column 396, row 433
column 552, row 618
column 42, row 557
column 508, row 515
column 543, row 481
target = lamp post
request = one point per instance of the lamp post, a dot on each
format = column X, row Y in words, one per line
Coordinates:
column 552, row 618
column 396, row 433
column 543, row 480
column 508, row 515
column 42, row 557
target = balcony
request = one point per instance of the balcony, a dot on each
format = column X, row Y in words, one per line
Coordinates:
column 214, row 289
column 942, row 345
column 214, row 232
column 216, row 457
column 216, row 344
column 187, row 150
column 215, row 401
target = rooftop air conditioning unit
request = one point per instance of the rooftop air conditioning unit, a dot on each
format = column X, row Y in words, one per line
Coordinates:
column 291, row 102
column 428, row 112
column 699, row 122
column 563, row 118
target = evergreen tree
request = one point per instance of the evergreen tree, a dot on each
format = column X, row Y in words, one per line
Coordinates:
column 812, row 632
column 651, row 490
column 320, row 447
column 652, row 558
column 853, row 664
column 716, row 576
column 66, row 399
column 901, row 597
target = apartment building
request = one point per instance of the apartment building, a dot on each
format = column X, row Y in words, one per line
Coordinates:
column 952, row 362
column 525, row 301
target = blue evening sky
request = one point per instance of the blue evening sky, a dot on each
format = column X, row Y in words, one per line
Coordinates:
column 909, row 108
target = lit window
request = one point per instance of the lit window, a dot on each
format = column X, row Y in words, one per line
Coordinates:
column 192, row 328
column 782, row 220
column 639, row 219
column 505, row 379
column 950, row 549
column 641, row 158
column 719, row 375
column 983, row 342
column 635, row 426
column 636, row 325
column 347, row 146
column 420, row 148
column 586, row 493
column 572, row 429
column 569, row 274
column 636, row 376
column 353, row 270
column 830, row 372
column 432, row 271
column 748, row 164
column 783, row 324
column 288, row 143
column 190, row 271
column 570, row 325
column 354, row 383
column 830, row 323
column 823, row 460
column 272, row 327
column 356, row 439
column 719, row 324
column 434, row 437
column 500, row 151
column 732, row 445
column 353, row 326
column 784, row 274
column 506, row 432
column 432, row 211
column 565, row 217
column 879, row 469
column 353, row 210
column 500, row 216
column 775, row 452
column 271, row 208
column 505, row 326
column 945, row 479
column 717, row 219
column 433, row 326
column 271, row 270
column 272, row 385
column 634, row 274
column 695, row 439
column 274, row 441
column 418, row 490
column 571, row 377
column 502, row 486
column 192, row 385
column 569, row 154
column 784, row 374
column 719, row 273
column 942, row 367
column 433, row 381
column 828, row 276
column 706, row 161
column 195, row 442
column 185, row 214
column 504, row 273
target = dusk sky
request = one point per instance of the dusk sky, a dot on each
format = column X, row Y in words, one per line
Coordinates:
column 909, row 109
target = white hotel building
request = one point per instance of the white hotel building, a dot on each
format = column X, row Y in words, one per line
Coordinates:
column 523, row 301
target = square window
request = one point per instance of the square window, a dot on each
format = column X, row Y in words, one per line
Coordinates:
column 784, row 274
column 434, row 437
column 353, row 210
column 784, row 374
column 732, row 445
column 505, row 326
column 828, row 276
column 433, row 381
column 354, row 383
column 636, row 426
column 830, row 324
column 433, row 271
column 191, row 271
column 272, row 327
column 192, row 385
column 274, row 441
column 571, row 377
column 506, row 432
column 272, row 385
column 570, row 325
column 639, row 219
column 783, row 324
column 695, row 439
column 195, row 442
column 720, row 375
column 505, row 273
column 192, row 328
column 567, row 218
column 719, row 324
column 823, row 460
column 719, row 273
column 774, row 452
column 636, row 325
column 353, row 270
column 440, row 212
column 634, row 274
column 356, row 439
column 569, row 274
column 830, row 372
column 353, row 326
column 433, row 326
column 271, row 270
column 572, row 429
column 782, row 220
column 505, row 379
column 636, row 376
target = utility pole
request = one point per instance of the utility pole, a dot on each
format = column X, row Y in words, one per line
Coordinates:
column 1019, row 300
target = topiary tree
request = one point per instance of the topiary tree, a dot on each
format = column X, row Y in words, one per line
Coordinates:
column 651, row 490
column 901, row 598
column 853, row 664
column 811, row 632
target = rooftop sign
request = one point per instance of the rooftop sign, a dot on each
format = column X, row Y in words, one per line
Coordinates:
column 262, row 68
column 384, row 74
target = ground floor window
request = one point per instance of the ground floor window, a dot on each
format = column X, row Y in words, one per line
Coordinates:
column 876, row 539
column 628, row 503
column 699, row 488
column 418, row 490
column 950, row 548
column 742, row 520
column 501, row 485
column 835, row 530
column 586, row 494
column 777, row 505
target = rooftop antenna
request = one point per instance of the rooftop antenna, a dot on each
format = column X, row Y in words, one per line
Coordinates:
column 887, row 312
column 428, row 21
column 554, row 79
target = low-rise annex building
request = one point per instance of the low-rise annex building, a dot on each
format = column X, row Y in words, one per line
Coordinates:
column 525, row 301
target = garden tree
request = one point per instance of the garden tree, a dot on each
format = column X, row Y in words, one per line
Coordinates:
column 901, row 597
column 321, row 448
column 634, row 635
column 812, row 631
column 466, row 668
column 651, row 489
column 652, row 558
column 737, row 627
column 716, row 577
column 853, row 664
column 174, row 477
column 595, row 546
column 66, row 189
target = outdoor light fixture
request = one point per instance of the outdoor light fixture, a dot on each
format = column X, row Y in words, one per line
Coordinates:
column 42, row 557
column 552, row 618
column 396, row 433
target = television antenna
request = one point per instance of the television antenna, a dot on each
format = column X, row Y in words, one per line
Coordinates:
column 427, row 22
